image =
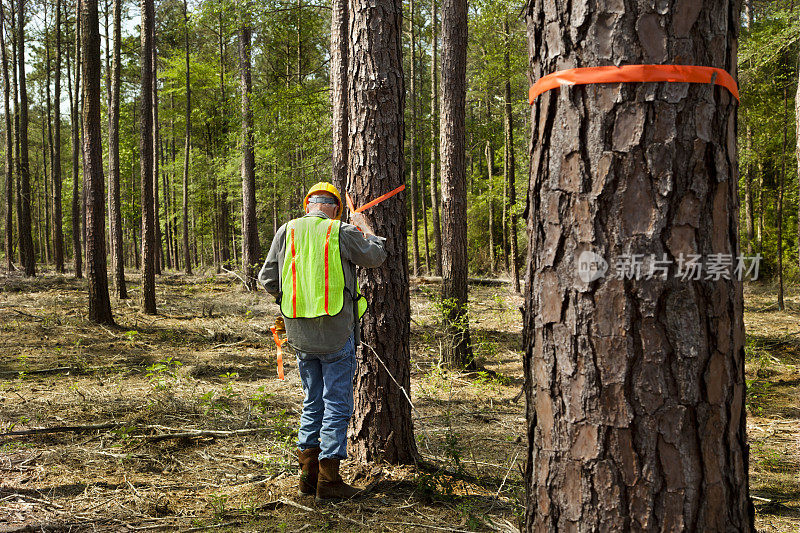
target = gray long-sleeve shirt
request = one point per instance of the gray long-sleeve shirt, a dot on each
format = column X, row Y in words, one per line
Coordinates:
column 325, row 334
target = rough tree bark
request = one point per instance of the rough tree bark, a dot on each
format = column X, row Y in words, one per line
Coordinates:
column 382, row 426
column 437, row 233
column 748, row 196
column 146, row 160
column 26, row 235
column 9, row 169
column 251, row 249
column 490, row 166
column 96, row 275
column 797, row 140
column 185, row 219
column 781, row 182
column 458, row 352
column 114, row 202
column 510, row 166
column 635, row 388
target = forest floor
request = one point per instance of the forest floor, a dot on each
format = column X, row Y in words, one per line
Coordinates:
column 206, row 363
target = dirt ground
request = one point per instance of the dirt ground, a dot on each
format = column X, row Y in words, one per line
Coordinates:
column 205, row 367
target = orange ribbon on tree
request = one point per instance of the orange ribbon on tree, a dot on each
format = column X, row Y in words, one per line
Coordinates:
column 279, row 343
column 634, row 74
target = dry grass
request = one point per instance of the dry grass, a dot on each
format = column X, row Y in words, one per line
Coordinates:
column 208, row 362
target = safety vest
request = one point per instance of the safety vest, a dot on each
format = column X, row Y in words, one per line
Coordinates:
column 312, row 279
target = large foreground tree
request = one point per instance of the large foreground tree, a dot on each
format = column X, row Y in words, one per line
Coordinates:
column 96, row 272
column 27, row 252
column 251, row 249
column 635, row 388
column 382, row 427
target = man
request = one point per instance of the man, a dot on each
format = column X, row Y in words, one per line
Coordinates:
column 310, row 269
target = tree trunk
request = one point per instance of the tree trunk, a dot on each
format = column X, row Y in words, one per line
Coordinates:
column 748, row 196
column 781, row 181
column 99, row 303
column 413, row 140
column 251, row 249
column 77, row 213
column 797, row 148
column 47, row 153
column 9, row 147
column 58, row 231
column 26, row 235
column 117, row 255
column 18, row 196
column 186, row 256
column 146, row 157
column 159, row 259
column 437, row 234
column 457, row 349
column 635, row 388
column 382, row 426
column 339, row 42
column 510, row 164
column 490, row 166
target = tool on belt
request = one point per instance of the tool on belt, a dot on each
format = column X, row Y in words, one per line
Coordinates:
column 279, row 329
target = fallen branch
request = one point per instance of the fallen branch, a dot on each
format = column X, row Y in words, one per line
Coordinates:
column 61, row 429
column 238, row 276
column 310, row 510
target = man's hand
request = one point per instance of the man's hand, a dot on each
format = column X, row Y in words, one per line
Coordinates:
column 360, row 221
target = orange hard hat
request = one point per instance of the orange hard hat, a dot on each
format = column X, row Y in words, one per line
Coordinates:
column 323, row 186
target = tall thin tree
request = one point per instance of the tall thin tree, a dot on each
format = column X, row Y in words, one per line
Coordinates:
column 458, row 352
column 339, row 43
column 634, row 383
column 58, row 230
column 77, row 213
column 26, row 234
column 188, row 143
column 159, row 261
column 96, row 274
column 9, row 165
column 251, row 249
column 382, row 425
column 437, row 234
column 510, row 166
column 413, row 145
column 146, row 159
column 115, row 201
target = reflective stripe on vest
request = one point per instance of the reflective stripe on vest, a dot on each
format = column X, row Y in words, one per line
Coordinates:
column 312, row 279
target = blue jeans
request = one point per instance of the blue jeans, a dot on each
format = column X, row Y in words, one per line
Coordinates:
column 328, row 405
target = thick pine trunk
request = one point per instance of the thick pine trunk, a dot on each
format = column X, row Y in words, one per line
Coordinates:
column 382, row 426
column 251, row 249
column 96, row 275
column 437, row 232
column 635, row 388
column 58, row 230
column 458, row 352
column 146, row 160
column 26, row 233
column 9, row 164
column 117, row 255
column 185, row 218
column 339, row 43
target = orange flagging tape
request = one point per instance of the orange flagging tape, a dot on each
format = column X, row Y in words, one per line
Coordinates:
column 377, row 200
column 279, row 342
column 634, row 73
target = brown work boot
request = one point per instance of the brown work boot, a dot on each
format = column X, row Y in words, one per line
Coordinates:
column 309, row 470
column 330, row 485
